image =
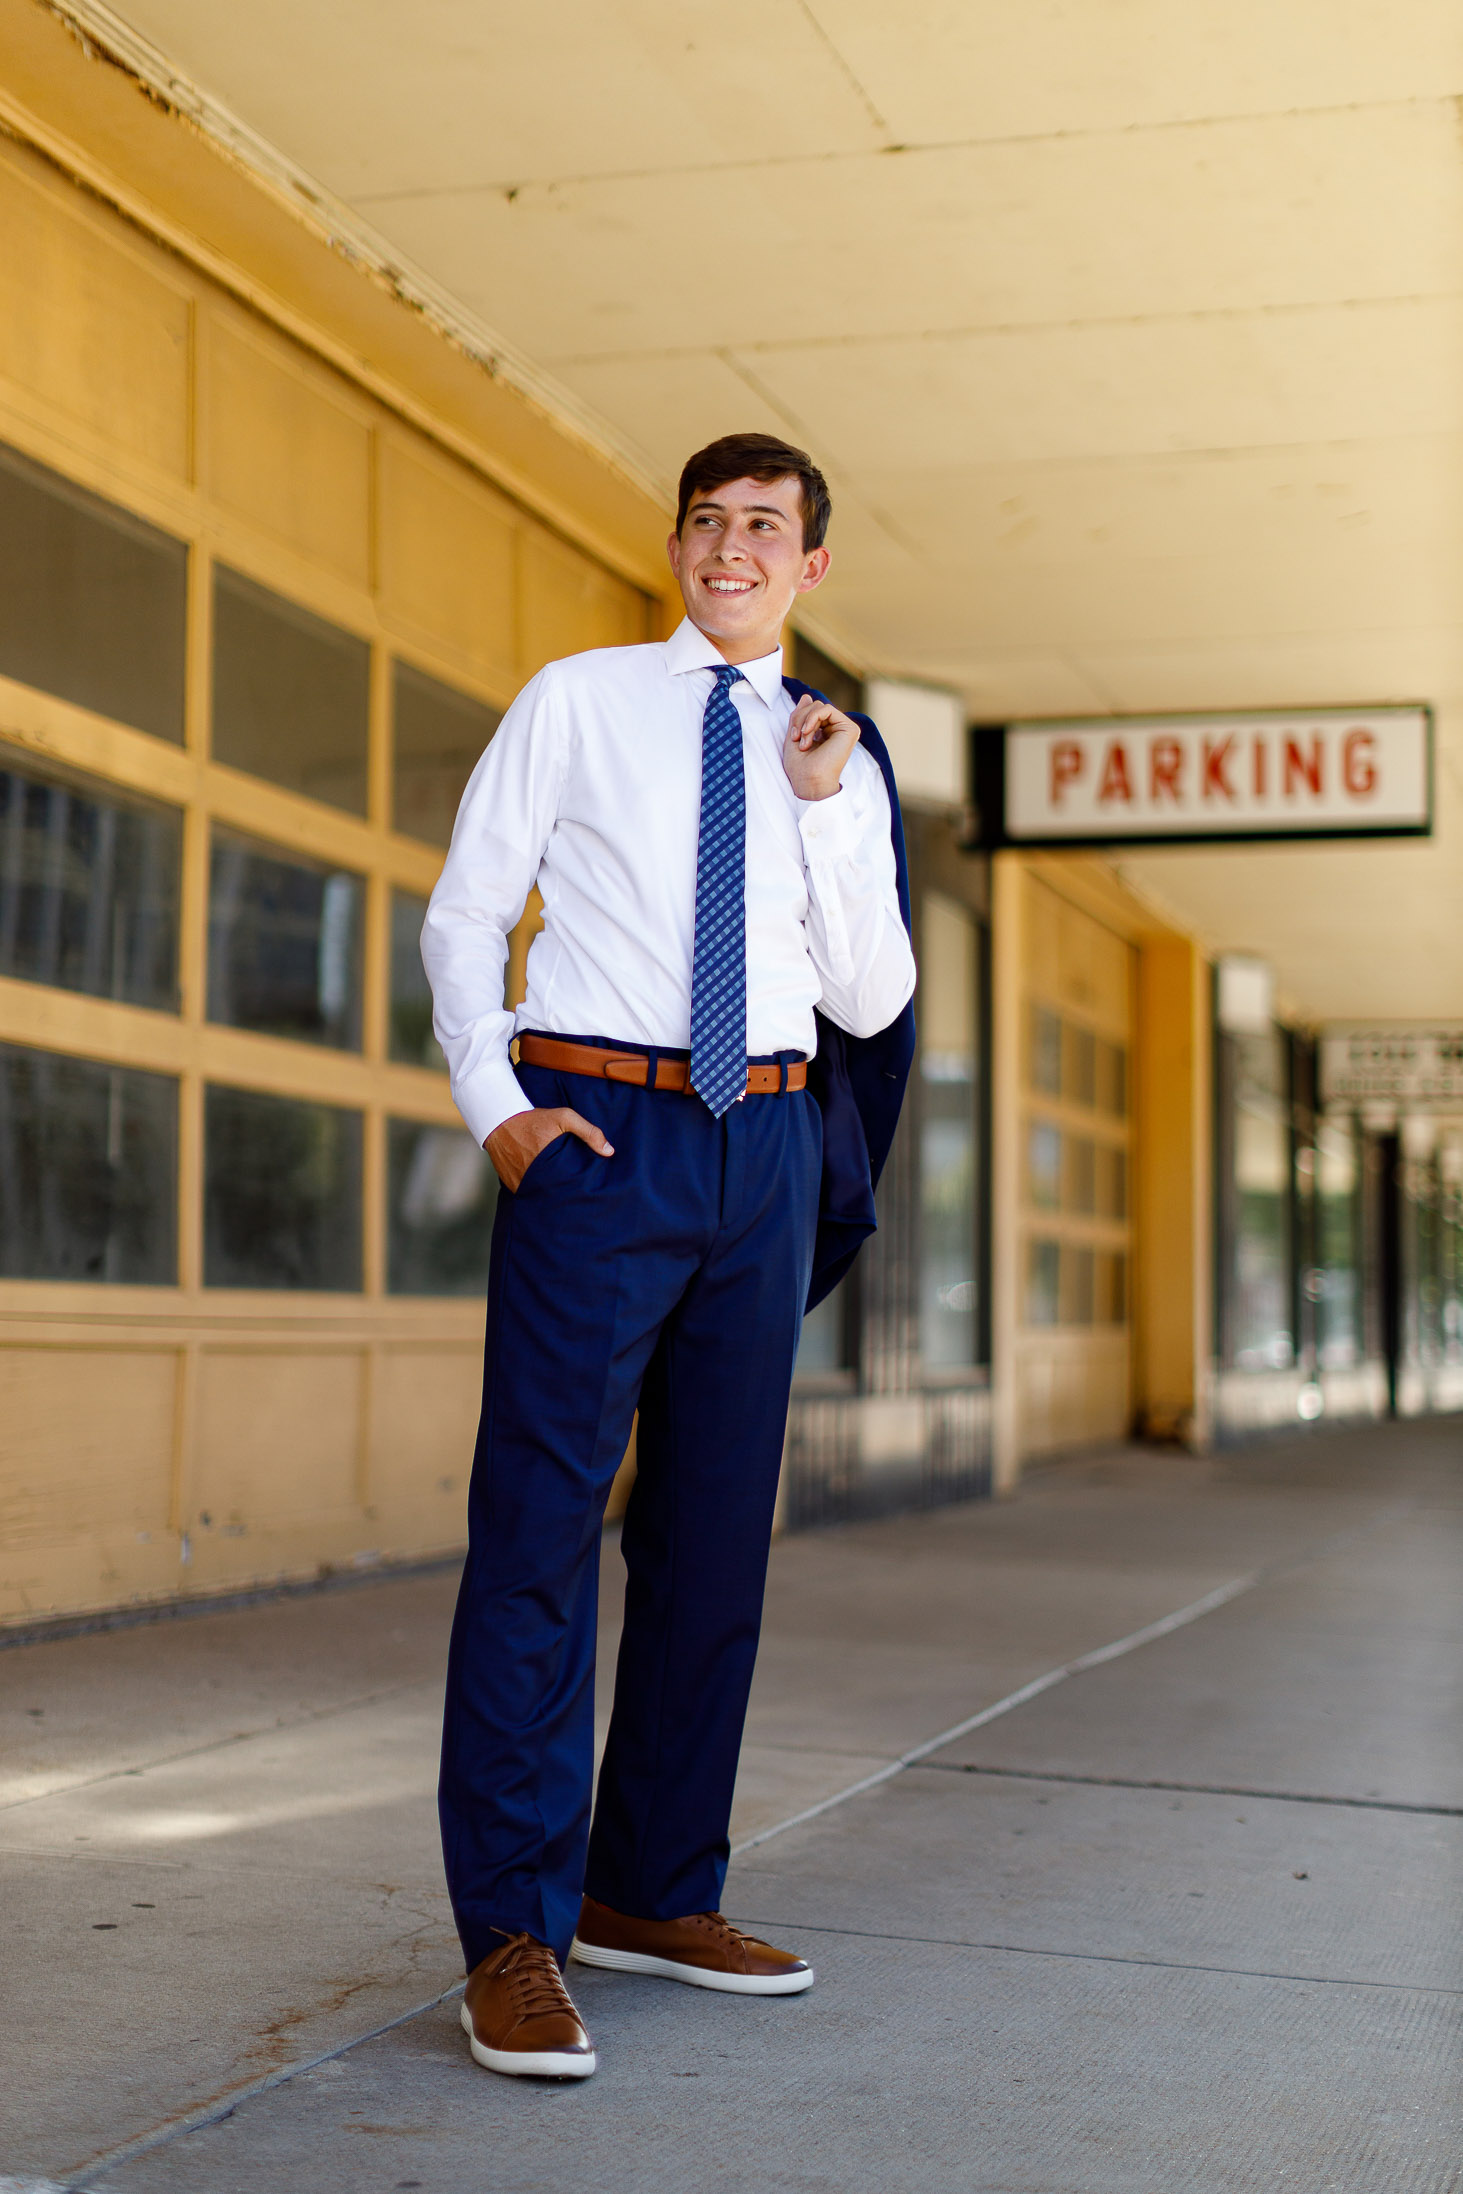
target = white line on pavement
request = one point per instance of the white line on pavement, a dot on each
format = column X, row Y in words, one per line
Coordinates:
column 1038, row 1684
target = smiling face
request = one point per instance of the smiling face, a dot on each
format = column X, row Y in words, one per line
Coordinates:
column 741, row 563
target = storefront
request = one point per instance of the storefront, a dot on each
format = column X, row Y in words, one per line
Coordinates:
column 1339, row 1161
column 257, row 621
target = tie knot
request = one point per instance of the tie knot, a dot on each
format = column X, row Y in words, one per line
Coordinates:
column 727, row 676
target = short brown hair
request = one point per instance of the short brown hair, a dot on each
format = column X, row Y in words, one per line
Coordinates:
column 758, row 457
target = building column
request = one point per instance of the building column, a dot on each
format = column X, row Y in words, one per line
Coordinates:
column 1173, row 1309
column 1007, row 962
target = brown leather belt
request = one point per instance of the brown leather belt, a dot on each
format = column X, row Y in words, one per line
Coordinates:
column 634, row 1066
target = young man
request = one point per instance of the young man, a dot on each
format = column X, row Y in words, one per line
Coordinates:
column 716, row 859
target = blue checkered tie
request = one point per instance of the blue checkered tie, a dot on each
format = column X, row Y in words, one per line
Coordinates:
column 719, row 959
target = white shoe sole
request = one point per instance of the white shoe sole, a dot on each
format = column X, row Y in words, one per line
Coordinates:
column 540, row 2064
column 696, row 1976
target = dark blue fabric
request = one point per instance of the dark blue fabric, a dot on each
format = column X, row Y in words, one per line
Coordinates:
column 672, row 1275
column 859, row 1082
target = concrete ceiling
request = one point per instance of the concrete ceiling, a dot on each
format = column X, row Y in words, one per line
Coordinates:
column 1131, row 336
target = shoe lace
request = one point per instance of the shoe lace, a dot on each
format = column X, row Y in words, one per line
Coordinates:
column 532, row 1973
column 715, row 1924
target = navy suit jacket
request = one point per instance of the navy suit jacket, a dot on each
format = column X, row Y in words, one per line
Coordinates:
column 859, row 1082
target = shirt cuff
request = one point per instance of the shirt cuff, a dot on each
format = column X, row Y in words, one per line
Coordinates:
column 489, row 1097
column 830, row 828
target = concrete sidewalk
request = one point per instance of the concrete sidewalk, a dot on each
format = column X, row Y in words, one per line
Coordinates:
column 1184, row 1918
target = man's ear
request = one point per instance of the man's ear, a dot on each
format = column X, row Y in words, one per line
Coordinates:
column 815, row 570
column 673, row 552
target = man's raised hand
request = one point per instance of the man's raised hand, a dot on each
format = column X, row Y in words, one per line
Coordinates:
column 820, row 739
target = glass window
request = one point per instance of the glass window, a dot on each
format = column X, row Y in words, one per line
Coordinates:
column 1043, row 1283
column 1335, row 1284
column 1079, row 1285
column 1046, row 1051
column 442, row 1191
column 1112, row 1078
column 284, row 944
column 947, row 1285
column 1112, row 1287
column 1112, row 1181
column 1263, row 1335
column 88, row 1171
column 439, row 736
column 1450, row 1179
column 826, row 676
column 1044, row 1165
column 1081, row 1174
column 88, row 887
column 281, row 1193
column 290, row 694
column 823, row 1343
column 93, row 601
column 1079, row 1068
column 411, row 1040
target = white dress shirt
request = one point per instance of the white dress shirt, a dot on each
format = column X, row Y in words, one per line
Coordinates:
column 591, row 789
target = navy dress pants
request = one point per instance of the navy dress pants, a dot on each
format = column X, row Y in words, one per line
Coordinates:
column 670, row 1277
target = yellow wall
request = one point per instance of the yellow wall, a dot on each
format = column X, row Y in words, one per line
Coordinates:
column 1174, row 1197
column 154, row 1440
column 1070, row 942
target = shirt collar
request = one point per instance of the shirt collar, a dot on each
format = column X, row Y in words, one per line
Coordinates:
column 689, row 649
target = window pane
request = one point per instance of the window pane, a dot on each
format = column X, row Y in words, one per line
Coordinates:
column 88, row 888
column 1044, row 1165
column 1112, row 1182
column 1046, row 1051
column 1112, row 1078
column 1335, row 1285
column 822, row 1345
column 440, row 735
column 93, row 602
column 1079, row 1285
column 1112, row 1287
column 290, row 694
column 1263, row 1336
column 1079, row 1074
column 88, row 1171
column 281, row 1193
column 947, row 1285
column 284, row 944
column 411, row 1040
column 1081, row 1174
column 1043, row 1276
column 826, row 676
column 1450, row 1180
column 443, row 1191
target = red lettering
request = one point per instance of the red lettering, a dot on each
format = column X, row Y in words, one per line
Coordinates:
column 1303, row 768
column 1165, row 763
column 1259, row 759
column 1215, row 758
column 1358, row 770
column 1116, row 782
column 1067, row 763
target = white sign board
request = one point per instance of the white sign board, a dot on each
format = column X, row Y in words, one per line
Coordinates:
column 1324, row 773
column 1417, row 1065
column 924, row 730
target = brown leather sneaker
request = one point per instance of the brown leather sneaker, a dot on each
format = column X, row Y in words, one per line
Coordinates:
column 519, row 2016
column 704, row 1949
